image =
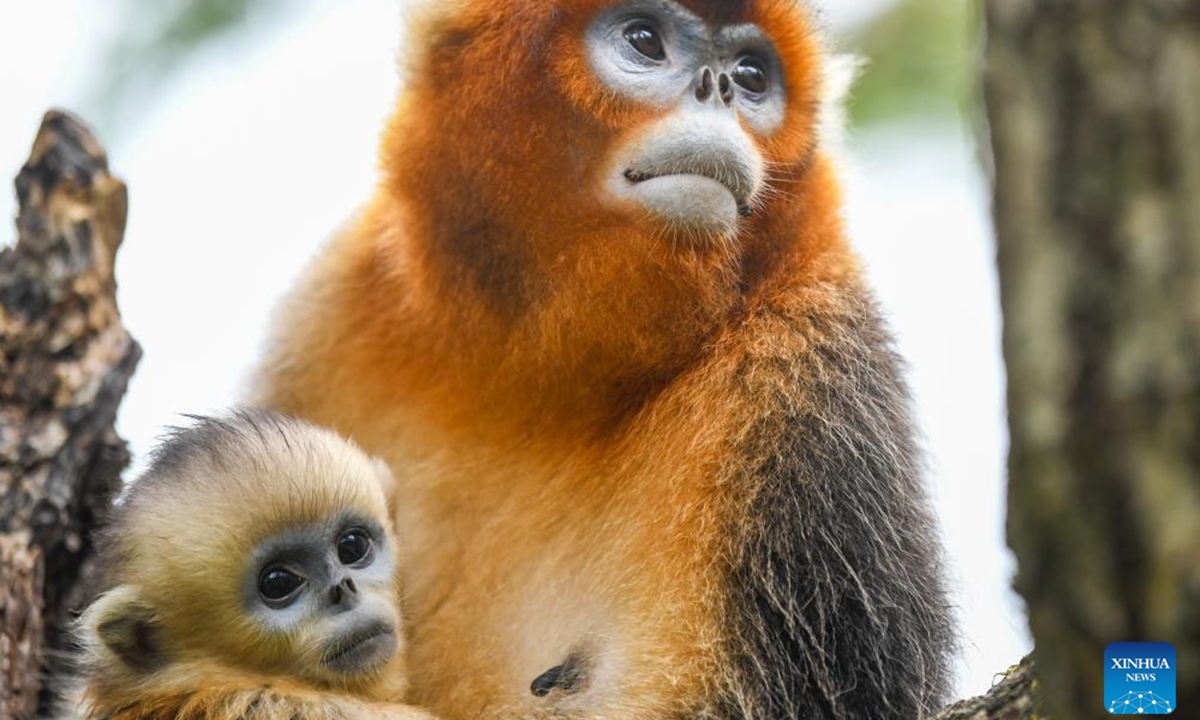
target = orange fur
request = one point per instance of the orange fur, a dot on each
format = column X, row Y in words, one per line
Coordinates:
column 555, row 381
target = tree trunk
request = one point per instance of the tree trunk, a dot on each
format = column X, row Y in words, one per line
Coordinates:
column 1094, row 109
column 65, row 360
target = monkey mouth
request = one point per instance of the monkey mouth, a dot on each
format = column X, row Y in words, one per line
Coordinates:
column 702, row 186
column 730, row 180
column 734, row 182
column 362, row 648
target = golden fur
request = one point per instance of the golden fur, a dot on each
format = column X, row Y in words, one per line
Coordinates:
column 171, row 561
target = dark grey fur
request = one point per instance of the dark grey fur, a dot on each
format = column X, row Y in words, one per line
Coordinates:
column 838, row 599
column 209, row 438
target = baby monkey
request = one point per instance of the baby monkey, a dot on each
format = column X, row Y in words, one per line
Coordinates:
column 249, row 574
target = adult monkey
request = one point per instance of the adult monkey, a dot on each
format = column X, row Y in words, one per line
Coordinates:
column 654, row 450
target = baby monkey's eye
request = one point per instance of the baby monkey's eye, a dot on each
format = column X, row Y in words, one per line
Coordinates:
column 278, row 585
column 645, row 38
column 751, row 74
column 353, row 546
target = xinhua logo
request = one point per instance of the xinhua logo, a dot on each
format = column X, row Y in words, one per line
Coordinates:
column 1139, row 678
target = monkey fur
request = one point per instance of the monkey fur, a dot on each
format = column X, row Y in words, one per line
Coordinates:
column 653, row 446
column 173, row 635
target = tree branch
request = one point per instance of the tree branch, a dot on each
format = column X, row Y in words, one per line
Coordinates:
column 1015, row 697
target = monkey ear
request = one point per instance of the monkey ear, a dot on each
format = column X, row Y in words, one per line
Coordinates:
column 123, row 624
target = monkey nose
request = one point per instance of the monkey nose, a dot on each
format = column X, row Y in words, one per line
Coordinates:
column 710, row 84
column 344, row 593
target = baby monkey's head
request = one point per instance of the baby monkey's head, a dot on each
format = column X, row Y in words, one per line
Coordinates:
column 256, row 543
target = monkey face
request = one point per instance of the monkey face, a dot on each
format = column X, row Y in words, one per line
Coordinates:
column 697, row 166
column 328, row 588
column 711, row 103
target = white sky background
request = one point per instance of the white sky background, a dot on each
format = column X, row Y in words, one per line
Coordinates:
column 256, row 151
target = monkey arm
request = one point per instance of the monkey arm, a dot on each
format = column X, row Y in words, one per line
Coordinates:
column 841, row 610
column 258, row 701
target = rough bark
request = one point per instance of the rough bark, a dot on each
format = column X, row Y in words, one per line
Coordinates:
column 1016, row 696
column 1094, row 109
column 65, row 360
column 20, row 625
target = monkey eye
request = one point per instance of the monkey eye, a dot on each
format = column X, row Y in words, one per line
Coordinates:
column 353, row 546
column 751, row 74
column 645, row 38
column 278, row 586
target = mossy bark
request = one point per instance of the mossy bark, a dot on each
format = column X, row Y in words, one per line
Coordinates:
column 1094, row 115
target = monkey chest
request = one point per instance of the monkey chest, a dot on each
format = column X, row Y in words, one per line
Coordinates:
column 536, row 593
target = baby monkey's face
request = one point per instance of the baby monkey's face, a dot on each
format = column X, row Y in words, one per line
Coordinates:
column 328, row 587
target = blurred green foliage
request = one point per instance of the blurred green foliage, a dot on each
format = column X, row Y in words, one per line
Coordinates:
column 158, row 38
column 921, row 62
column 920, row 53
